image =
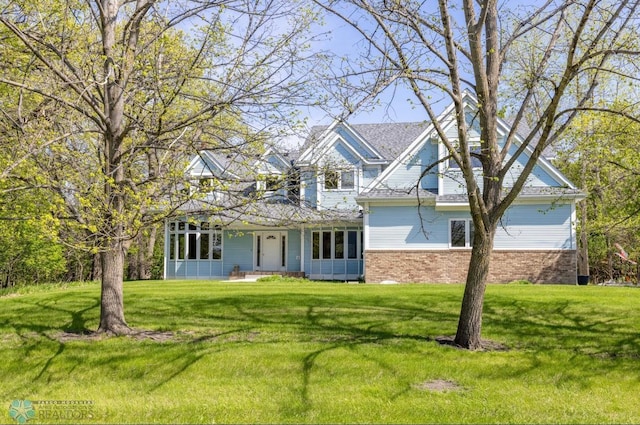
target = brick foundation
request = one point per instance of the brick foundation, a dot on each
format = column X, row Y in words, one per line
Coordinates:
column 450, row 266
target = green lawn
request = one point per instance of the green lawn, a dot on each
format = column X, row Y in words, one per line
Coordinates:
column 311, row 352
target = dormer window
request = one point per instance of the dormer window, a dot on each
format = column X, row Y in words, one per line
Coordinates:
column 339, row 180
column 474, row 148
column 269, row 182
column 208, row 184
column 331, row 180
column 272, row 183
column 347, row 180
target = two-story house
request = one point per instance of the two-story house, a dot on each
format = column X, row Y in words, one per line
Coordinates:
column 346, row 207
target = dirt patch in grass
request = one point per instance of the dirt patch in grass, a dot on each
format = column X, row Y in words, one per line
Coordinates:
column 485, row 344
column 437, row 385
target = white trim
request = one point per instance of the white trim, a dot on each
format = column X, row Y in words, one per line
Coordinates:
column 446, row 122
column 271, row 151
column 262, row 234
column 209, row 173
column 165, row 261
column 442, row 152
column 302, row 249
column 572, row 228
column 313, row 154
column 452, row 206
column 467, row 233
column 365, row 226
column 319, row 186
column 397, row 202
column 411, row 150
column 340, row 172
column 311, row 149
column 302, row 188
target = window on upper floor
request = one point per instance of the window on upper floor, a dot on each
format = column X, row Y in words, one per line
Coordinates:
column 461, row 233
column 339, row 180
column 270, row 182
column 474, row 148
column 208, row 184
column 331, row 180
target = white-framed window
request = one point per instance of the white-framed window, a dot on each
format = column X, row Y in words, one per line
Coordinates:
column 339, row 180
column 194, row 241
column 461, row 233
column 270, row 182
column 336, row 244
column 474, row 148
column 208, row 184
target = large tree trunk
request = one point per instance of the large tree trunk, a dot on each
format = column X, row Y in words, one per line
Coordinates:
column 112, row 302
column 470, row 321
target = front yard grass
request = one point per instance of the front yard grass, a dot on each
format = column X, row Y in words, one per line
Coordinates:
column 314, row 352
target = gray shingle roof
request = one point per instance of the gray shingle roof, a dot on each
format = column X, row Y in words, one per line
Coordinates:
column 398, row 194
column 462, row 198
column 265, row 213
column 390, row 139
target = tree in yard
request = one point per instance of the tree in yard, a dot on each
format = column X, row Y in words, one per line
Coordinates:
column 30, row 251
column 129, row 90
column 604, row 159
column 519, row 62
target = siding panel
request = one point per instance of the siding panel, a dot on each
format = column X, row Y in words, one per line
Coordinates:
column 408, row 173
column 523, row 227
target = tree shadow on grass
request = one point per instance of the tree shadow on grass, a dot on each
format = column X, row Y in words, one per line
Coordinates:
column 562, row 325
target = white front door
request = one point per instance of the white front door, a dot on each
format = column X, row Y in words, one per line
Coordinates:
column 270, row 248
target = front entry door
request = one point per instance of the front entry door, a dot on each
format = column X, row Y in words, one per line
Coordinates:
column 270, row 251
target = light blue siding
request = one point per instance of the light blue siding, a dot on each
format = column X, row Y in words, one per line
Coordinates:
column 453, row 182
column 275, row 162
column 538, row 178
column 340, row 155
column 308, row 178
column 536, row 227
column 523, row 227
column 339, row 199
column 398, row 227
column 293, row 251
column 237, row 250
column 407, row 174
column 194, row 269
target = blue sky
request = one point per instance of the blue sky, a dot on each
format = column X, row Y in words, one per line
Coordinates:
column 394, row 106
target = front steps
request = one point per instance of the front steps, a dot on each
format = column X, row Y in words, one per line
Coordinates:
column 238, row 275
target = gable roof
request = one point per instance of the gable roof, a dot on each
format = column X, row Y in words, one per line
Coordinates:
column 446, row 121
column 209, row 163
column 384, row 140
column 264, row 163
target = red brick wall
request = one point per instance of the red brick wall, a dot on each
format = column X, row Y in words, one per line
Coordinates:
column 450, row 266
